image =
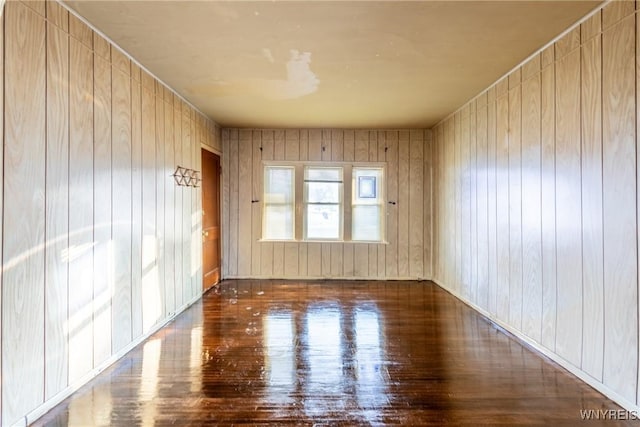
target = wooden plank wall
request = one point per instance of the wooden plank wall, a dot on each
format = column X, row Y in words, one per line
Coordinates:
column 553, row 200
column 94, row 227
column 408, row 156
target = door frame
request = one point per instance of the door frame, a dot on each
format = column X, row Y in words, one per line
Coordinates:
column 222, row 248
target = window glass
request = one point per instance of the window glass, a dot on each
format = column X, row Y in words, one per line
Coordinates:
column 279, row 202
column 323, row 203
column 367, row 207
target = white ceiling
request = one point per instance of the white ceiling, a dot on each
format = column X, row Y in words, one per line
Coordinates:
column 367, row 64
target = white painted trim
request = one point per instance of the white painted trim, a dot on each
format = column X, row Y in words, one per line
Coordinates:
column 539, row 348
column 211, row 149
column 2, row 2
column 527, row 59
column 72, row 388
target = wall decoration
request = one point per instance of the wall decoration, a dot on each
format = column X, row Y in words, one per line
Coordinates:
column 187, row 177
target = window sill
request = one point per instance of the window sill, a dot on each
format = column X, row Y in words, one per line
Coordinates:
column 364, row 242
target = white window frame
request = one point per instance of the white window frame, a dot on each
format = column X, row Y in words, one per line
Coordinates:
column 347, row 199
column 306, row 203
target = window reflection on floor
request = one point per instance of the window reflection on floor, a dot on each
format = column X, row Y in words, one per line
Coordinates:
column 195, row 364
column 149, row 380
column 323, row 390
column 279, row 356
column 370, row 386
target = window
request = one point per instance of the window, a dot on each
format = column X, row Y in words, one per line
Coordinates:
column 278, row 220
column 315, row 201
column 367, row 205
column 322, row 203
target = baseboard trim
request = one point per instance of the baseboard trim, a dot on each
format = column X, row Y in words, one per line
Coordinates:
column 539, row 348
column 350, row 278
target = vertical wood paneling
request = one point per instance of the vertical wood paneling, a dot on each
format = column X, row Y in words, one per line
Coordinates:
column 195, row 235
column 89, row 155
column 556, row 146
column 502, row 206
column 266, row 247
column 382, row 157
column 349, row 248
column 256, row 213
column 403, row 203
column 515, row 207
column 161, row 177
column 391, row 250
column 548, row 165
column 314, row 250
column 437, row 204
column 492, row 199
column 81, row 242
column 245, row 142
column 57, row 200
column 179, row 215
column 150, row 285
column 614, row 11
column 592, row 227
column 457, row 186
column 303, row 262
column 225, row 206
column 473, row 209
column 292, row 153
column 187, row 194
column 58, row 16
column 531, row 209
column 464, row 187
column 416, row 203
column 169, row 208
column 373, row 248
column 136, row 209
column 23, row 262
column 568, row 209
column 80, row 31
column 620, row 220
column 482, row 205
column 233, row 203
column 337, row 152
column 122, row 208
column 450, row 158
column 325, row 259
column 102, row 194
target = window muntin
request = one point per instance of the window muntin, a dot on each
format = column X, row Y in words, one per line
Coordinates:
column 367, row 204
column 324, row 201
column 323, row 195
column 278, row 221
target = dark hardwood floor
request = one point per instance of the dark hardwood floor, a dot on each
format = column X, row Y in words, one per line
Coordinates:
column 331, row 353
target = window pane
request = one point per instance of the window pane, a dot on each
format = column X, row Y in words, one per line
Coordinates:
column 323, row 221
column 323, row 174
column 323, row 192
column 278, row 185
column 366, row 222
column 278, row 222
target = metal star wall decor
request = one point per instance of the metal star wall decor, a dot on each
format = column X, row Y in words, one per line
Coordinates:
column 186, row 177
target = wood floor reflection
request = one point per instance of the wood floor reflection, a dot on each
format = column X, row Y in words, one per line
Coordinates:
column 330, row 353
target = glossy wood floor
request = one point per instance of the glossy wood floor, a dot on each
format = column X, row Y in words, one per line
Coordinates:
column 330, row 353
